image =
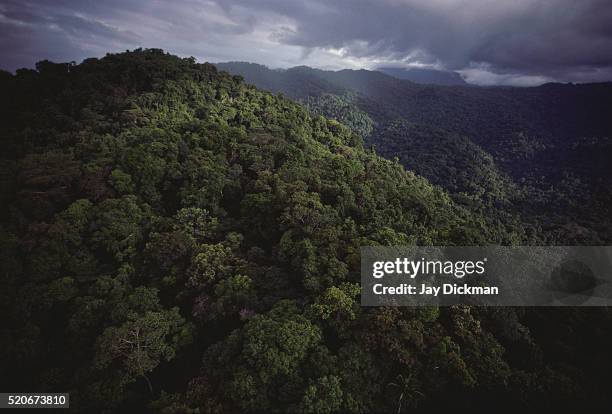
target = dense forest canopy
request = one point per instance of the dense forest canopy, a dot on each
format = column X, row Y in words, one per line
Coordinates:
column 176, row 240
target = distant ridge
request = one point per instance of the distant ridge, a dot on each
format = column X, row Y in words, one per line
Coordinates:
column 426, row 76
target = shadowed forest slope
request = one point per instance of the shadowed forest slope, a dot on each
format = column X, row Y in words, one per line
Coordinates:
column 174, row 239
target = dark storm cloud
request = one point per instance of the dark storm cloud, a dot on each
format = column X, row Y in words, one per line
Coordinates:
column 52, row 30
column 513, row 42
column 561, row 39
column 64, row 30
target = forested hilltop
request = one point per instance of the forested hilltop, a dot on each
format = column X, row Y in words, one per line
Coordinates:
column 538, row 155
column 174, row 240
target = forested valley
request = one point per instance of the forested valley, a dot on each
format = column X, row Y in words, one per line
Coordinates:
column 176, row 240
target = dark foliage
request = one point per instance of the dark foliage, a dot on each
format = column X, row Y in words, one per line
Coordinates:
column 176, row 240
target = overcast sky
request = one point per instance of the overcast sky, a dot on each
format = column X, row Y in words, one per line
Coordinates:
column 518, row 42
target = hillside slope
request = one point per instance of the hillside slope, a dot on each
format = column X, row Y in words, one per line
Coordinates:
column 551, row 142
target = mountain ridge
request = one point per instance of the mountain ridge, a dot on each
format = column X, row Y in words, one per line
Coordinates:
column 425, row 76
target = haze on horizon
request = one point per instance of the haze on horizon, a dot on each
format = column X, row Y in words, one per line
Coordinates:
column 513, row 42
